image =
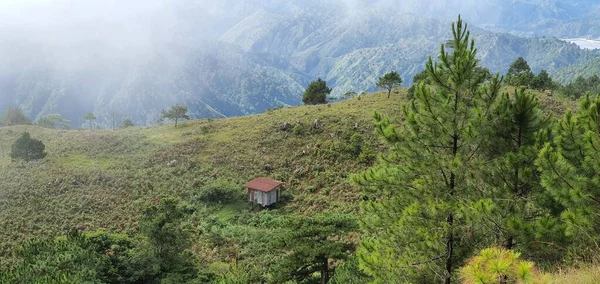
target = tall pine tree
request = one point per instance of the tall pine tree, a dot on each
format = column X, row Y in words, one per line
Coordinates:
column 416, row 221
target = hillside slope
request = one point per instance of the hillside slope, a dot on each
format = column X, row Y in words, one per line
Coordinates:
column 101, row 179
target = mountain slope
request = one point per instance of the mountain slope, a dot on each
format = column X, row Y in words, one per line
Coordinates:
column 253, row 56
column 95, row 180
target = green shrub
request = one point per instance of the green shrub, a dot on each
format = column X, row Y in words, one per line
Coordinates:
column 299, row 129
column 27, row 148
column 220, row 190
column 497, row 265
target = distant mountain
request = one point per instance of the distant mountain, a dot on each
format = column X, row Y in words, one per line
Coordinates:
column 240, row 57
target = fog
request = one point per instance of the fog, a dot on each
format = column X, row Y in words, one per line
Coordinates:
column 73, row 32
column 83, row 55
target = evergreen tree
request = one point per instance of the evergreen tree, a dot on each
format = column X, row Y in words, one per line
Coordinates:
column 516, row 217
column 169, row 239
column 389, row 81
column 542, row 81
column 316, row 93
column 175, row 113
column 309, row 244
column 580, row 86
column 27, row 148
column 89, row 117
column 569, row 166
column 416, row 221
column 126, row 123
column 519, row 73
column 13, row 116
column 54, row 121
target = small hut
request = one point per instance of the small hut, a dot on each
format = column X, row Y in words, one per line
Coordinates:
column 264, row 191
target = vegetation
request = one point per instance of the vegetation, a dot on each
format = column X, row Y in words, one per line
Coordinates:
column 316, row 93
column 542, row 81
column 495, row 265
column 54, row 121
column 519, row 73
column 103, row 180
column 389, row 81
column 442, row 132
column 13, row 116
column 127, row 122
column 468, row 164
column 90, row 117
column 175, row 113
column 27, row 148
column 460, row 175
column 581, row 86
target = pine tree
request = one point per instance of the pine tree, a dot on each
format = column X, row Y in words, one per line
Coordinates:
column 13, row 116
column 519, row 129
column 309, row 244
column 542, row 81
column 416, row 221
column 389, row 81
column 569, row 167
column 90, row 117
column 316, row 93
column 519, row 73
column 175, row 113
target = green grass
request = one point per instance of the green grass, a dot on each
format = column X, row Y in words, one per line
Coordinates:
column 94, row 180
column 101, row 179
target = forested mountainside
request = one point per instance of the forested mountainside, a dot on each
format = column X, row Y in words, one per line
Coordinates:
column 234, row 58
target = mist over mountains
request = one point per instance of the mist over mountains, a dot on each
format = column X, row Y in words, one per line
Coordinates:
column 135, row 58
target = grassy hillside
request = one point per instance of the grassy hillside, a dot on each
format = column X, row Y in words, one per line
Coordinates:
column 101, row 179
column 94, row 180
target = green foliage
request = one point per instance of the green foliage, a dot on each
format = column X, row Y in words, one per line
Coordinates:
column 97, row 257
column 13, row 116
column 519, row 73
column 161, row 255
column 90, row 117
column 316, row 93
column 516, row 205
column 417, row 200
column 169, row 239
column 311, row 243
column 542, row 81
column 496, row 265
column 175, row 113
column 349, row 273
column 349, row 95
column 356, row 144
column 53, row 121
column 220, row 191
column 27, row 148
column 569, row 167
column 421, row 77
column 126, row 123
column 389, row 81
column 581, row 86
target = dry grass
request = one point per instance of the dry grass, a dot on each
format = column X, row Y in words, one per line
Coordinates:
column 584, row 275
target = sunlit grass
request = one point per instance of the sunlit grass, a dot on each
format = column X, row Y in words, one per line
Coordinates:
column 101, row 179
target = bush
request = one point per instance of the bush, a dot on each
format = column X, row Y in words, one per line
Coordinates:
column 496, row 265
column 27, row 148
column 220, row 190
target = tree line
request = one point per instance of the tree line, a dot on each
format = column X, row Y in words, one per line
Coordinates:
column 470, row 167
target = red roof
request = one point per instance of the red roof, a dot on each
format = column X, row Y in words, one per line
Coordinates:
column 263, row 184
